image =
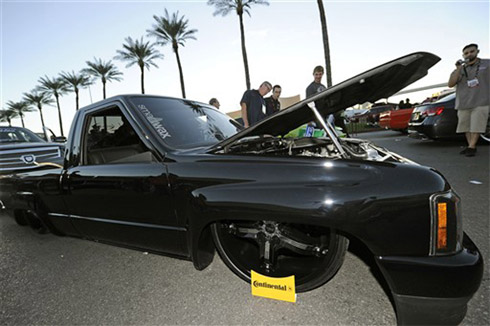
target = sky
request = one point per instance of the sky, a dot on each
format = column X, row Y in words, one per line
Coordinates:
column 284, row 44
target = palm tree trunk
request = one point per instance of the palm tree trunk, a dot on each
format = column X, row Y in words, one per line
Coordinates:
column 76, row 98
column 326, row 46
column 244, row 52
column 59, row 115
column 103, row 87
column 176, row 50
column 41, row 113
column 142, row 80
column 10, row 122
column 22, row 119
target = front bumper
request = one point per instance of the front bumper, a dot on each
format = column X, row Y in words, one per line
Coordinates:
column 433, row 290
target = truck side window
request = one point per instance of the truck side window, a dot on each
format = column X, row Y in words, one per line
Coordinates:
column 110, row 139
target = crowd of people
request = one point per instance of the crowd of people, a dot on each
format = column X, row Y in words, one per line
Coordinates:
column 254, row 107
column 471, row 79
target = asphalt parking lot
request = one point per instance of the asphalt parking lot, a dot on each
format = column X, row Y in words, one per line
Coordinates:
column 52, row 280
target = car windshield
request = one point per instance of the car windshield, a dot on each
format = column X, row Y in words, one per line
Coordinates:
column 185, row 124
column 449, row 97
column 18, row 135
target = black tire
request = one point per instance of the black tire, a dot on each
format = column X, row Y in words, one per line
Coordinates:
column 36, row 223
column 20, row 218
column 241, row 250
column 486, row 135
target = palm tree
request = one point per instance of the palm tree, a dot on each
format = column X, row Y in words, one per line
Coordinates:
column 54, row 87
column 173, row 30
column 76, row 81
column 20, row 107
column 38, row 99
column 224, row 7
column 107, row 71
column 7, row 116
column 140, row 53
column 326, row 46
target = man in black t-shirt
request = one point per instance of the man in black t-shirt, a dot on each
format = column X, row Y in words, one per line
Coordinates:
column 253, row 104
column 272, row 104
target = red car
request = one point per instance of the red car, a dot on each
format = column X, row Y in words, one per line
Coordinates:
column 396, row 119
column 372, row 115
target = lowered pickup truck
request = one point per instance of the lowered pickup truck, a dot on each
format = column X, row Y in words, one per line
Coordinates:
column 178, row 177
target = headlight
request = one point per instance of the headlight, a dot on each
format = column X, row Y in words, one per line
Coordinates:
column 446, row 223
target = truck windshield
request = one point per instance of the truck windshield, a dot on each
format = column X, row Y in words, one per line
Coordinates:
column 185, row 124
column 18, row 135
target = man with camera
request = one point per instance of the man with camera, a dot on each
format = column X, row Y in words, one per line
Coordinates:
column 472, row 80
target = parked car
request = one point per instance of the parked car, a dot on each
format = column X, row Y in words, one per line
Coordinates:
column 22, row 150
column 352, row 115
column 372, row 115
column 396, row 119
column 436, row 120
column 179, row 177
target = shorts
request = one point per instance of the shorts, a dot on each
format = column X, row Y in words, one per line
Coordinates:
column 473, row 120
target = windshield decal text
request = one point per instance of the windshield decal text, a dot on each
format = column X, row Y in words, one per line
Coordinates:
column 155, row 122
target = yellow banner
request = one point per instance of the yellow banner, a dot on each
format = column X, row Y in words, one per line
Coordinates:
column 273, row 287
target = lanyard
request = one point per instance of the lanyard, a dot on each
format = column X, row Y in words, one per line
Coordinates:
column 477, row 70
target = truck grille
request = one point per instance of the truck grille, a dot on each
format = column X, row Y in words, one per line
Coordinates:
column 21, row 159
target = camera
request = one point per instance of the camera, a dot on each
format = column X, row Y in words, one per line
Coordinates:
column 462, row 62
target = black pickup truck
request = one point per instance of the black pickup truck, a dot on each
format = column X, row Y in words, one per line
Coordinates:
column 178, row 177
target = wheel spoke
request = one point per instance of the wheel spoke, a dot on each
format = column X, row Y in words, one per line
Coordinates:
column 267, row 253
column 243, row 232
column 297, row 235
column 298, row 247
column 302, row 243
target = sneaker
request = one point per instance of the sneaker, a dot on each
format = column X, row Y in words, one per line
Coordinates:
column 470, row 152
column 463, row 152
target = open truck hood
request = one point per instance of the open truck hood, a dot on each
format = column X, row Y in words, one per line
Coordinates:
column 380, row 82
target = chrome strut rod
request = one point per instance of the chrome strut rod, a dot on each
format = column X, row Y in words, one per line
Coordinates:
column 328, row 129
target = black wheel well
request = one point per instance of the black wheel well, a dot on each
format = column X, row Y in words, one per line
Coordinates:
column 36, row 217
column 203, row 247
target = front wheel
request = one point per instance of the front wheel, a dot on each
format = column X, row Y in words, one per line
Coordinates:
column 312, row 254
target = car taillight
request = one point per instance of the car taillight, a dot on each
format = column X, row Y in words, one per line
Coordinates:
column 435, row 111
column 446, row 223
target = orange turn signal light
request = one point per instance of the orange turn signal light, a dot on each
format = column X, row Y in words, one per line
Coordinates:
column 441, row 226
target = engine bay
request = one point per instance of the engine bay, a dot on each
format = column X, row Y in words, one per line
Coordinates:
column 313, row 147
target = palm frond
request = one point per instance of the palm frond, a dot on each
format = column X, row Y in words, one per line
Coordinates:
column 138, row 52
column 224, row 7
column 76, row 80
column 37, row 98
column 20, row 107
column 52, row 86
column 105, row 70
column 7, row 115
column 171, row 29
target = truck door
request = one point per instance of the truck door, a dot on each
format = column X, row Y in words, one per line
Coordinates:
column 118, row 192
